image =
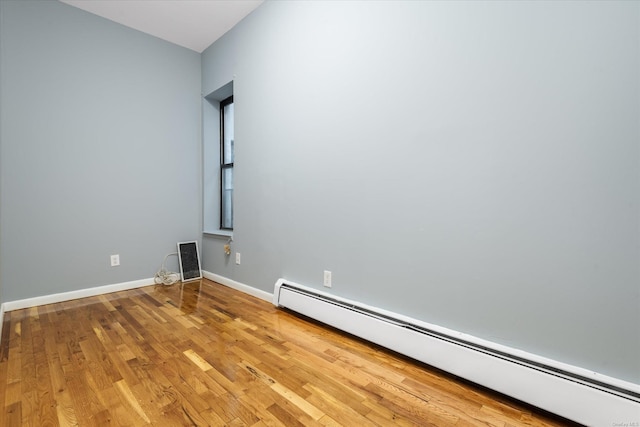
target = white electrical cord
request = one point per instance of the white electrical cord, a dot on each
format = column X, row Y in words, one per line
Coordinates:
column 165, row 277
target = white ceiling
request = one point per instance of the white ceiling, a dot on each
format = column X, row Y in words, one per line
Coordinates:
column 193, row 24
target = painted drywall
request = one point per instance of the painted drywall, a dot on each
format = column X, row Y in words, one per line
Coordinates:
column 100, row 150
column 475, row 165
column 1, row 138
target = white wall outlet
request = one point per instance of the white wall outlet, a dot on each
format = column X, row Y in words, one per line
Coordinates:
column 238, row 258
column 115, row 260
column 327, row 279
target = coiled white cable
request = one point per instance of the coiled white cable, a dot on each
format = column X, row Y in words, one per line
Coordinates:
column 165, row 277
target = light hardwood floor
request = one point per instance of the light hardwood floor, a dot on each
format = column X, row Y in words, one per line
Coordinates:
column 202, row 354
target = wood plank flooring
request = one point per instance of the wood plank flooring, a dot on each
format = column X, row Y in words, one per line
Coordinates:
column 202, row 354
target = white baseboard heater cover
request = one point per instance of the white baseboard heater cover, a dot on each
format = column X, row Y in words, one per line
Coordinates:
column 573, row 393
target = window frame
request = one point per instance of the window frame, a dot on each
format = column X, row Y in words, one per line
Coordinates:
column 225, row 166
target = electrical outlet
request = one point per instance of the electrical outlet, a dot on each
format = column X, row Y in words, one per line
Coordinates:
column 115, row 260
column 327, row 279
column 238, row 258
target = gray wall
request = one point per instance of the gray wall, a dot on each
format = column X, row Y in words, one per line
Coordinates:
column 100, row 143
column 2, row 24
column 1, row 138
column 474, row 165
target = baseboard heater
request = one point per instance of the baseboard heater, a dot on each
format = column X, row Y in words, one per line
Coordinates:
column 573, row 393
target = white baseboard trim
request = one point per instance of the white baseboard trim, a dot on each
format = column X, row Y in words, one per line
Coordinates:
column 1, row 320
column 71, row 295
column 267, row 296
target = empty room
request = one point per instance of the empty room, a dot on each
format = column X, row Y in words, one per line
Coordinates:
column 338, row 213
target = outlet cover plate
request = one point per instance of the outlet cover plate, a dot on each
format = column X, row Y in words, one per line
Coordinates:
column 327, row 279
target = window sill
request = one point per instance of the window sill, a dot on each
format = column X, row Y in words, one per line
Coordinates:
column 219, row 233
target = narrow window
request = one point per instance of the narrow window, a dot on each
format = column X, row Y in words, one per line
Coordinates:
column 226, row 164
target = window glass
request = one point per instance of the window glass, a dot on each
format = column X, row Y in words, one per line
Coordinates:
column 227, row 198
column 228, row 133
column 226, row 163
